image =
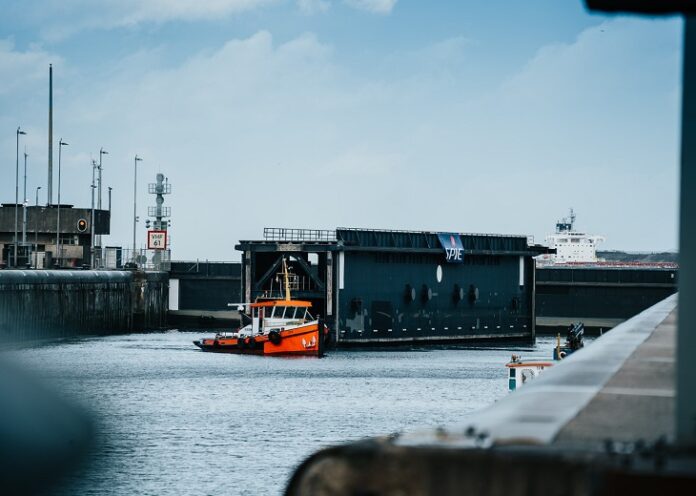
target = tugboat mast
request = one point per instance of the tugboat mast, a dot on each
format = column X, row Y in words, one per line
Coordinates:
column 287, row 280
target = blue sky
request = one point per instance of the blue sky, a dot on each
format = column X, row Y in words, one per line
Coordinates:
column 456, row 116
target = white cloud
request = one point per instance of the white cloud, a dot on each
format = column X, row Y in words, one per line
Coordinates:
column 375, row 6
column 166, row 10
column 59, row 19
column 313, row 6
column 19, row 68
column 258, row 132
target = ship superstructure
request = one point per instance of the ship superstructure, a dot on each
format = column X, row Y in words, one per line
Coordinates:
column 571, row 246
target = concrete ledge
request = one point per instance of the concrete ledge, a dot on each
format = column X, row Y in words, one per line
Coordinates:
column 597, row 423
column 535, row 414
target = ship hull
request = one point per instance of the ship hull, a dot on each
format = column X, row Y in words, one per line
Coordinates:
column 300, row 341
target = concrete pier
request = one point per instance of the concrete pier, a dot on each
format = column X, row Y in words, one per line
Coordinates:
column 600, row 420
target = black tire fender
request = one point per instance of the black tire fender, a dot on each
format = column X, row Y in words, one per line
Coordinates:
column 275, row 337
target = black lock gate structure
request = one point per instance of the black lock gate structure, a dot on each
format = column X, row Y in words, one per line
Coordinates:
column 392, row 287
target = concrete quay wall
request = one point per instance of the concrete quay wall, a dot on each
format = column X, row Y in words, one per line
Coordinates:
column 47, row 304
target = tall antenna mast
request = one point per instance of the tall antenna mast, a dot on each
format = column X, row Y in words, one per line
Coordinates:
column 49, row 192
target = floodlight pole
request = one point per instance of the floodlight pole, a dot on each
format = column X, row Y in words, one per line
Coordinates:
column 61, row 144
column 91, row 237
column 19, row 131
column 135, row 198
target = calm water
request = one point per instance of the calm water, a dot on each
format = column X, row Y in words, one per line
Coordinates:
column 174, row 420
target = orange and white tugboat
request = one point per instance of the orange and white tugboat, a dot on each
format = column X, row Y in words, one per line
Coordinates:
column 280, row 327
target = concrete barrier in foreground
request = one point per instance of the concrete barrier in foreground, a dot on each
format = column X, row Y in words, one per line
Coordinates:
column 600, row 422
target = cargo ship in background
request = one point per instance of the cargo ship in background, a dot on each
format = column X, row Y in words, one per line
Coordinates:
column 570, row 245
column 602, row 289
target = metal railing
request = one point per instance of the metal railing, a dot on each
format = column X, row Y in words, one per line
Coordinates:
column 125, row 258
column 164, row 189
column 163, row 211
column 291, row 234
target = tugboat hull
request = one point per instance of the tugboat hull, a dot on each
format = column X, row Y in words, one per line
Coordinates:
column 301, row 341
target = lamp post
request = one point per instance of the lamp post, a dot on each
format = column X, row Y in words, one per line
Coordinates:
column 36, row 228
column 91, row 243
column 102, row 152
column 19, row 131
column 61, row 144
column 135, row 196
column 24, row 203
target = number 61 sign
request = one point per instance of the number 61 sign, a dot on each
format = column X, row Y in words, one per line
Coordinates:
column 157, row 240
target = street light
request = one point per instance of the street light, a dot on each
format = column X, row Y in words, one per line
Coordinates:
column 24, row 203
column 91, row 242
column 102, row 152
column 36, row 228
column 135, row 196
column 19, row 131
column 61, row 144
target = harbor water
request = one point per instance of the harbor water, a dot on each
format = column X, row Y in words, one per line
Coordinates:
column 173, row 420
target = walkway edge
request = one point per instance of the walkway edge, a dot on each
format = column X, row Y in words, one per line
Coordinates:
column 536, row 413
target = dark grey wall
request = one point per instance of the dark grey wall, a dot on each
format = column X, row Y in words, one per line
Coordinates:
column 374, row 297
column 44, row 219
column 616, row 293
column 40, row 304
column 207, row 285
column 150, row 300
